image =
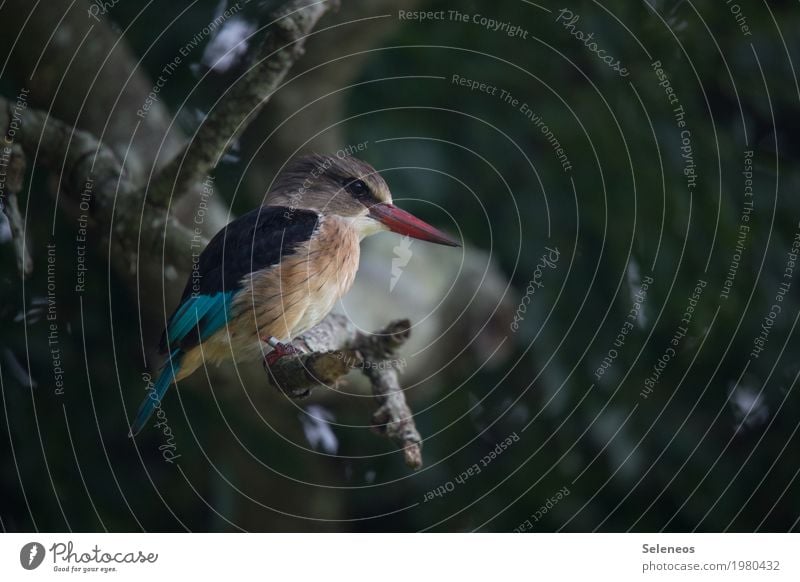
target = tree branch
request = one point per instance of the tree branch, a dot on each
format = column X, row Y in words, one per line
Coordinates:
column 88, row 167
column 77, row 155
column 334, row 347
column 78, row 69
column 280, row 47
column 393, row 418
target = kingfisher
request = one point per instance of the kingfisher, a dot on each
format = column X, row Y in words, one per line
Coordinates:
column 277, row 271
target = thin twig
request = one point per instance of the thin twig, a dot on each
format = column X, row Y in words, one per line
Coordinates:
column 280, row 47
column 334, row 347
column 393, row 418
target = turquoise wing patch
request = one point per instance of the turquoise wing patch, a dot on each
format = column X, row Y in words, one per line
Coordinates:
column 204, row 313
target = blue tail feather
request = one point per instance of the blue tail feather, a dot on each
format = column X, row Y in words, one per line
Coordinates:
column 153, row 398
column 204, row 314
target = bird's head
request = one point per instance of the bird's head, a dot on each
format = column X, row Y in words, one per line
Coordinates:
column 351, row 189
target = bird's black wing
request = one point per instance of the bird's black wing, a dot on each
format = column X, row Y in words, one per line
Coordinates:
column 254, row 241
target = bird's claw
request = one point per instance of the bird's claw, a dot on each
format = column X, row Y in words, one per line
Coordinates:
column 279, row 351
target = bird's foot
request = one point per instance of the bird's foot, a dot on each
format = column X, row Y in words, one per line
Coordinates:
column 279, row 350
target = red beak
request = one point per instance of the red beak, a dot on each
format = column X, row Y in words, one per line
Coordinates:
column 405, row 223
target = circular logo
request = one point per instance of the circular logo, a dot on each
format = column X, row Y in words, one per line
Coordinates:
column 31, row 555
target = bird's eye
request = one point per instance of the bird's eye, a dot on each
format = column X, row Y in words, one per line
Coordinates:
column 358, row 188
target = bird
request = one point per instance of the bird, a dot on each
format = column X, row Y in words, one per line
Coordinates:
column 275, row 272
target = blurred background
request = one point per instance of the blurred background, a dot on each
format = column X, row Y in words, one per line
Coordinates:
column 604, row 354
